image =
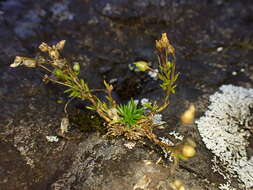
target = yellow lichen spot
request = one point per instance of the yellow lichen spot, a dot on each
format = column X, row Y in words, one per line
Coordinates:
column 189, row 115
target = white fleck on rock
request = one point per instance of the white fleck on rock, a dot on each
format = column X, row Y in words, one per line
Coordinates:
column 153, row 74
column 226, row 186
column 52, row 138
column 144, row 101
column 219, row 49
column 157, row 119
column 177, row 135
column 130, row 145
column 224, row 130
column 166, row 152
column 234, row 73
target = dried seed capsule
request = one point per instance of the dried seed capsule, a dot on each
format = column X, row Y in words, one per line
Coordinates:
column 44, row 47
column 60, row 45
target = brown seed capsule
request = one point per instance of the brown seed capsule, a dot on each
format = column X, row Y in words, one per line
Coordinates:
column 18, row 60
column 44, row 47
column 60, row 45
column 29, row 62
column 54, row 54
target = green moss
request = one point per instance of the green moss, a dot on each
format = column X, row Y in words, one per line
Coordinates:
column 87, row 121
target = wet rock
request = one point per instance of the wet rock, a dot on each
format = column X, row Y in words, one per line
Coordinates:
column 61, row 11
column 28, row 25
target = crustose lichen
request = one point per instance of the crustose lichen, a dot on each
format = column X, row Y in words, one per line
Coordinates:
column 226, row 129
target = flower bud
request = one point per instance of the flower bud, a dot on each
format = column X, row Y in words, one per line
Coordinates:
column 141, row 65
column 58, row 72
column 188, row 151
column 76, row 67
column 189, row 115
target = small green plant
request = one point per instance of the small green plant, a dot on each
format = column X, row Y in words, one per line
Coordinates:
column 130, row 113
column 127, row 120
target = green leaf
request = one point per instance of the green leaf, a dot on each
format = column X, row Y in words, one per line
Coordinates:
column 130, row 113
column 91, row 107
column 68, row 90
column 169, row 64
column 74, row 94
column 168, row 72
column 176, row 77
column 161, row 77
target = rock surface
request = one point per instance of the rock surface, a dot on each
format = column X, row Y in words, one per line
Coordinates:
column 213, row 42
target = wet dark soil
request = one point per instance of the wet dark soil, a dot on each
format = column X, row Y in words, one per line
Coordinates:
column 104, row 37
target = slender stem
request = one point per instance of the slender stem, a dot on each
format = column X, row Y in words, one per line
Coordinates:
column 66, row 105
column 75, row 79
column 61, row 83
column 98, row 90
column 100, row 113
column 154, row 138
column 45, row 68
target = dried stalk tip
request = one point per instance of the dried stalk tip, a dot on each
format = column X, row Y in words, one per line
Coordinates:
column 44, row 47
column 60, row 45
column 28, row 62
column 164, row 43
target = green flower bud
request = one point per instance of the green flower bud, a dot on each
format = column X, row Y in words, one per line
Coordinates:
column 58, row 72
column 76, row 67
column 141, row 65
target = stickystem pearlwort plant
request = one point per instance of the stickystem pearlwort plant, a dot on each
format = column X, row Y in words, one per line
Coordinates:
column 128, row 120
